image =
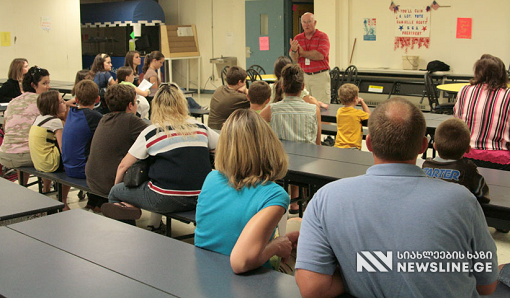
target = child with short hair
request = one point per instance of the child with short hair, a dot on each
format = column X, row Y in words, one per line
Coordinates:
column 259, row 95
column 45, row 137
column 81, row 123
column 126, row 76
column 451, row 141
column 348, row 118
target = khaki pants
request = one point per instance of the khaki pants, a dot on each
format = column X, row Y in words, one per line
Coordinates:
column 319, row 86
column 16, row 160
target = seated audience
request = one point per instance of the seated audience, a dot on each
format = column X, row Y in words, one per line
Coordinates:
column 126, row 76
column 394, row 208
column 178, row 148
column 115, row 134
column 100, row 74
column 80, row 76
column 152, row 62
column 277, row 93
column 133, row 60
column 240, row 205
column 451, row 141
column 12, row 88
column 45, row 137
column 348, row 118
column 18, row 119
column 81, row 123
column 227, row 99
column 292, row 118
column 483, row 105
column 259, row 95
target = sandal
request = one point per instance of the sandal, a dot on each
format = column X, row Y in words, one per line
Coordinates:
column 160, row 230
column 120, row 211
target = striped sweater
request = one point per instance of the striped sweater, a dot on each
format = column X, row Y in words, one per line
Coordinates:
column 487, row 116
column 179, row 164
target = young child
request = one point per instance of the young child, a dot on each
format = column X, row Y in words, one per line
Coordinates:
column 126, row 76
column 259, row 95
column 240, row 204
column 348, row 118
column 80, row 76
column 45, row 136
column 81, row 123
column 451, row 141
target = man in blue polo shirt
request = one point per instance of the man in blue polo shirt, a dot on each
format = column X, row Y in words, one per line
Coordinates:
column 394, row 232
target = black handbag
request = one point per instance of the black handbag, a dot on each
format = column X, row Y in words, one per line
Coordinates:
column 137, row 173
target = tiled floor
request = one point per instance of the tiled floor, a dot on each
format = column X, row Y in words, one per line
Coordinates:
column 178, row 228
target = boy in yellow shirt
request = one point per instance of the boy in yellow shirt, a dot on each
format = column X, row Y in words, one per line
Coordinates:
column 348, row 118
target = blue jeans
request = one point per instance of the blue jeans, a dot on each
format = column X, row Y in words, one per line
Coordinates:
column 145, row 198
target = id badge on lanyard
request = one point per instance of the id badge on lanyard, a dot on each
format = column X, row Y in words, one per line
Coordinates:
column 307, row 61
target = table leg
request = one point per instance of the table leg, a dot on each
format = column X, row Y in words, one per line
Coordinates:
column 199, row 81
column 187, row 74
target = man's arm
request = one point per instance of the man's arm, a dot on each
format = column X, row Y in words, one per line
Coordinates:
column 312, row 284
column 312, row 55
column 294, row 48
column 487, row 289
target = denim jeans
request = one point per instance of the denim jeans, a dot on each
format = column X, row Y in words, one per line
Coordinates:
column 145, row 198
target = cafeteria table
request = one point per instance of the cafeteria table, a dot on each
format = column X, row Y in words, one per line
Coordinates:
column 18, row 201
column 31, row 268
column 160, row 262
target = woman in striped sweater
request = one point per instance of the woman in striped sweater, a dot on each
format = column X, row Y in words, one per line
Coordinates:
column 484, row 105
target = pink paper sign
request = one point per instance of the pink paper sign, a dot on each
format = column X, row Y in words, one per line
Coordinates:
column 464, row 26
column 264, row 43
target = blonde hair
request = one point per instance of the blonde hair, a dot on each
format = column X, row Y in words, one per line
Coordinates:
column 170, row 108
column 248, row 151
column 16, row 69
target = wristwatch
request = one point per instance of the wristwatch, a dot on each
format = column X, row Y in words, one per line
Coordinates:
column 294, row 51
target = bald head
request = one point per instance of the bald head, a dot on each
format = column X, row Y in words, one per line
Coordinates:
column 396, row 130
column 308, row 23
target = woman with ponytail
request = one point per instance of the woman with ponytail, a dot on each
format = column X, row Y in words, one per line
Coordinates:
column 152, row 62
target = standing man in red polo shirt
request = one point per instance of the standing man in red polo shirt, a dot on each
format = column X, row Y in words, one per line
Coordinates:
column 311, row 50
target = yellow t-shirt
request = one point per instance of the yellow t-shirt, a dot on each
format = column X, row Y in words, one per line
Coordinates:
column 349, row 132
column 43, row 144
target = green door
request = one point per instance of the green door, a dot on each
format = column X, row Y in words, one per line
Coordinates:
column 264, row 19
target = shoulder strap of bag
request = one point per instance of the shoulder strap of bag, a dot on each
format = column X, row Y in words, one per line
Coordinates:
column 46, row 120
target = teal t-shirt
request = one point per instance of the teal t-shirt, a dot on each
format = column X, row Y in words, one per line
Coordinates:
column 222, row 212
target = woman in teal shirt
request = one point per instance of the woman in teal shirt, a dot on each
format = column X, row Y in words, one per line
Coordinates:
column 240, row 205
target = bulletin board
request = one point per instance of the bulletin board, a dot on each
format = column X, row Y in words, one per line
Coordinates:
column 179, row 41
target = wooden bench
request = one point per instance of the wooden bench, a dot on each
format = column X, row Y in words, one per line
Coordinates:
column 60, row 178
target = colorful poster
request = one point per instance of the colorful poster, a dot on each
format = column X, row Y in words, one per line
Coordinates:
column 264, row 43
column 46, row 23
column 369, row 32
column 412, row 27
column 464, row 26
column 5, row 38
